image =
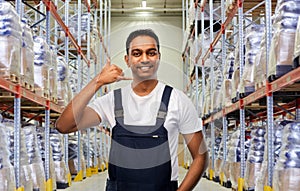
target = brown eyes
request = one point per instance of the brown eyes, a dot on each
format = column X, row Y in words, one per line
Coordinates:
column 149, row 53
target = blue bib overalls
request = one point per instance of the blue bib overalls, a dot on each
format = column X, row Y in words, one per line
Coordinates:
column 139, row 157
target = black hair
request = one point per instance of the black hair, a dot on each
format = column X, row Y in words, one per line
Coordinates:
column 141, row 32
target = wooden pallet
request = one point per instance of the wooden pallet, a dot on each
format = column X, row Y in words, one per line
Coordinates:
column 6, row 93
column 27, row 85
column 54, row 99
column 259, row 85
column 42, row 92
column 7, row 74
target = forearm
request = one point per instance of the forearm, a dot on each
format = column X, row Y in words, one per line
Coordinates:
column 72, row 114
column 195, row 172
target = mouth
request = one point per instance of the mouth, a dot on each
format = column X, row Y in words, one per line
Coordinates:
column 145, row 68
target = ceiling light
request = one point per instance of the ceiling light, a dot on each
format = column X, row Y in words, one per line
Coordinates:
column 144, row 3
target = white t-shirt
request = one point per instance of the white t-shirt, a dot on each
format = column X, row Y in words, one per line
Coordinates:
column 142, row 110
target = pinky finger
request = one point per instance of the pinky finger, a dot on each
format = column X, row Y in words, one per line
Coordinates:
column 119, row 78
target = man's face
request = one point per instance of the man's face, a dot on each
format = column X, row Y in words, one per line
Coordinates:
column 143, row 58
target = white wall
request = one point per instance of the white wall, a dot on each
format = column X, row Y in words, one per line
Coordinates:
column 169, row 32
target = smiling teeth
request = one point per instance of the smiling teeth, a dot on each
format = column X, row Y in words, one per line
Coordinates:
column 144, row 68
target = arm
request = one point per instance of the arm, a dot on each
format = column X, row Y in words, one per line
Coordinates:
column 198, row 150
column 77, row 115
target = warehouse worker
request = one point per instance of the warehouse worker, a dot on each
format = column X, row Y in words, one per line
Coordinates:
column 146, row 118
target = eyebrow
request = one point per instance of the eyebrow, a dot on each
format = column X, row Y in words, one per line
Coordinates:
column 137, row 49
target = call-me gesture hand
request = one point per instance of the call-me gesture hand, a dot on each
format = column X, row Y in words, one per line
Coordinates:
column 110, row 73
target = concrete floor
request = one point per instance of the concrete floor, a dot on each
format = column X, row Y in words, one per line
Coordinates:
column 97, row 183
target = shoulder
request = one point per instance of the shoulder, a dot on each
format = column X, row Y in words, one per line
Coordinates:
column 177, row 96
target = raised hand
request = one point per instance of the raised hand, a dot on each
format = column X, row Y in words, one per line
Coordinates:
column 110, row 73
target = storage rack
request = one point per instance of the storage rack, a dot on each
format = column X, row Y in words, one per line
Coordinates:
column 279, row 86
column 29, row 103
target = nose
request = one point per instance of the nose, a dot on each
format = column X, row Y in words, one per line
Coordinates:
column 144, row 57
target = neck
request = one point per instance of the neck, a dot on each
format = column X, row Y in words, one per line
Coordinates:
column 145, row 87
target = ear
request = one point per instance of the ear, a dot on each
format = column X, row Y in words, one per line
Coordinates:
column 126, row 58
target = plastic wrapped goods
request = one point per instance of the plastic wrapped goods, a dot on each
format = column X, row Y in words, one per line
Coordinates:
column 42, row 60
column 296, row 56
column 27, row 57
column 226, row 87
column 283, row 42
column 41, row 142
column 53, row 75
column 25, row 171
column 286, row 171
column 62, row 81
column 10, row 42
column 217, row 95
column 7, row 174
column 260, row 69
column 261, row 180
column 85, row 150
column 61, row 170
column 35, row 157
column 219, row 160
column 255, row 157
column 73, row 156
column 234, row 156
column 235, row 82
column 253, row 40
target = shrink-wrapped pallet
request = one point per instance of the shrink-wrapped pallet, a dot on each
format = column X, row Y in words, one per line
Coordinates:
column 261, row 180
column 10, row 42
column 260, row 69
column 296, row 56
column 25, row 171
column 283, row 42
column 216, row 93
column 234, row 157
column 255, row 157
column 252, row 48
column 42, row 60
column 235, row 82
column 217, row 164
column 53, row 75
column 27, row 57
column 7, row 173
column 61, row 170
column 91, row 153
column 74, row 156
column 41, row 143
column 62, row 81
column 34, row 157
column 286, row 170
column 226, row 87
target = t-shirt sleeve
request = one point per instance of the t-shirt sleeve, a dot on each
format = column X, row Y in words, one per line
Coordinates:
column 103, row 106
column 189, row 122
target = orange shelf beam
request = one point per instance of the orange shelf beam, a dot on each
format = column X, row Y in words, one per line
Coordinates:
column 12, row 87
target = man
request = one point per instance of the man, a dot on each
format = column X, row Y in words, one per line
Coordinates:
column 146, row 118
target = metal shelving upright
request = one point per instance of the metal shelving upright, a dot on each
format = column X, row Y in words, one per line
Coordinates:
column 269, row 95
column 242, row 108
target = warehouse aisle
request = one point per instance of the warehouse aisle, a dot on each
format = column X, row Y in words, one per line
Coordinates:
column 97, row 183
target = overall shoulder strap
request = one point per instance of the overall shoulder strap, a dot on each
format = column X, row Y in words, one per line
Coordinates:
column 164, row 102
column 118, row 103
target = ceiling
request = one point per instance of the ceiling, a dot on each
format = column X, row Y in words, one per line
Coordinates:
column 160, row 7
column 168, row 7
column 129, row 4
